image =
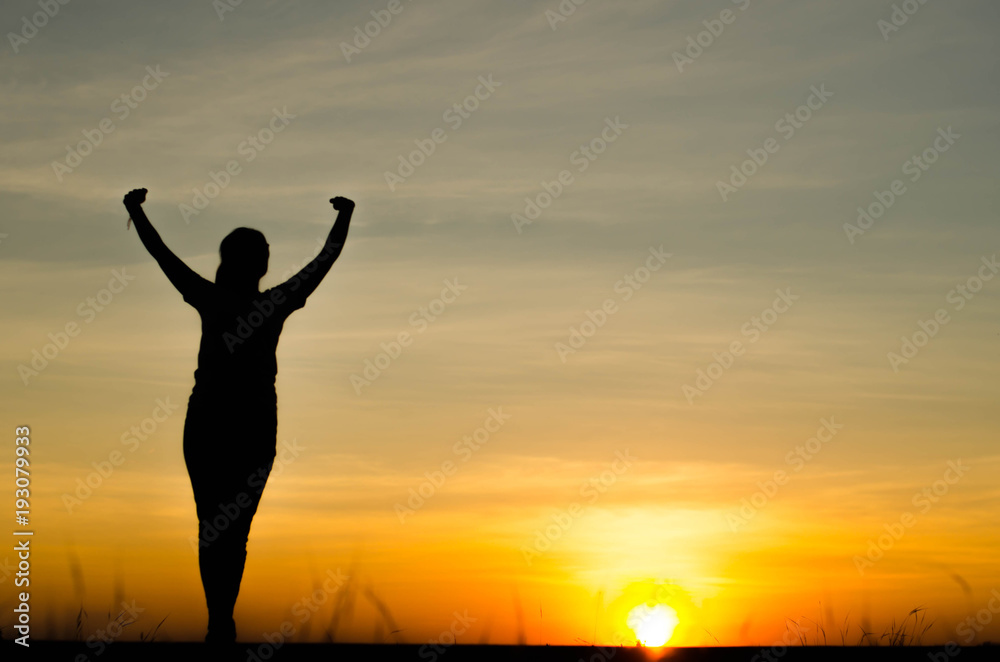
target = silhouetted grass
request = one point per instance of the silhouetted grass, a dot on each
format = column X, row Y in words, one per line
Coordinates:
column 906, row 632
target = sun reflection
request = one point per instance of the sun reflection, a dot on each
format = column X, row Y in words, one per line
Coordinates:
column 653, row 626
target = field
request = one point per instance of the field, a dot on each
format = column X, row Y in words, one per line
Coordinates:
column 154, row 652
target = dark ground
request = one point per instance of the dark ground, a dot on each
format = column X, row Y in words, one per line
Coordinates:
column 156, row 652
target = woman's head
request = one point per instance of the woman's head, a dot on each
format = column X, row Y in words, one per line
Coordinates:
column 244, row 254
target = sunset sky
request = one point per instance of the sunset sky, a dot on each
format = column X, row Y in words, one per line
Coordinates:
column 681, row 373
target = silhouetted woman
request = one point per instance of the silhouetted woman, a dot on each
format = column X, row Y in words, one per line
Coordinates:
column 231, row 425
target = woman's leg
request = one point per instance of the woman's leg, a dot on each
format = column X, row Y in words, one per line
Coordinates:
column 227, row 482
column 226, row 511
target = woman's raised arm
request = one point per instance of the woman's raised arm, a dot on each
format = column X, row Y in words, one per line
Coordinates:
column 305, row 282
column 186, row 280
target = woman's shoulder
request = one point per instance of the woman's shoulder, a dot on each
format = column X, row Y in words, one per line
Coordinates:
column 281, row 300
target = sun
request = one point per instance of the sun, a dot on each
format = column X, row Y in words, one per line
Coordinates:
column 653, row 626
